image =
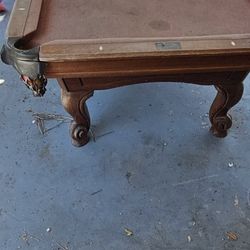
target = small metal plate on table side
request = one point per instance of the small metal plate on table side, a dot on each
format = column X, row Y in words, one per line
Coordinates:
column 169, row 45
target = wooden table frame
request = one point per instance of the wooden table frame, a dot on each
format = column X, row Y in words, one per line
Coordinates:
column 83, row 66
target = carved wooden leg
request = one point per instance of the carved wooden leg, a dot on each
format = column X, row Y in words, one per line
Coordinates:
column 74, row 104
column 227, row 97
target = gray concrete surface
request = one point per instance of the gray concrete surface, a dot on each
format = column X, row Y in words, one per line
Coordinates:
column 158, row 172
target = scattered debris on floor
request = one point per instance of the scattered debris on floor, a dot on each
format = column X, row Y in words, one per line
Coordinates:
column 192, row 223
column 29, row 110
column 204, row 124
column 204, row 121
column 128, row 232
column 2, row 81
column 2, row 17
column 164, row 145
column 61, row 247
column 92, row 134
column 40, row 118
column 94, row 137
column 98, row 191
column 108, row 133
column 236, row 201
column 248, row 197
column 230, row 164
column 195, row 180
column 26, row 237
column 189, row 238
column 232, row 236
column 48, row 230
column 128, row 175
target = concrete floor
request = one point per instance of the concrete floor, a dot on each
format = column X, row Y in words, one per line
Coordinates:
column 154, row 169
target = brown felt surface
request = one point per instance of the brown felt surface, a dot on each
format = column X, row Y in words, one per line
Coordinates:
column 98, row 19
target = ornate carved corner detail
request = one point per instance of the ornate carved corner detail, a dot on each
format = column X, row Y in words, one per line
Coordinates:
column 227, row 96
column 38, row 85
column 75, row 104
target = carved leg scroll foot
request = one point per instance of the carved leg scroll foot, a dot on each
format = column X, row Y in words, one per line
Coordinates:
column 227, row 97
column 79, row 134
column 74, row 104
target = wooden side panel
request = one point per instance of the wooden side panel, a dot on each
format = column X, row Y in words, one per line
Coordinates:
column 99, row 83
column 148, row 66
column 24, row 18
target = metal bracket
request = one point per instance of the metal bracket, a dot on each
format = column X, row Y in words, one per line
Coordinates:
column 168, row 45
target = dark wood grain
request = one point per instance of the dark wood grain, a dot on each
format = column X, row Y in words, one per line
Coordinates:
column 75, row 92
column 75, row 104
column 229, row 94
column 149, row 41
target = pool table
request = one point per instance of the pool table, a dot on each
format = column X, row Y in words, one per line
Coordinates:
column 90, row 45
